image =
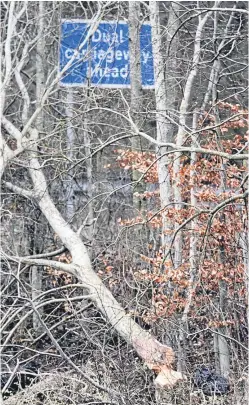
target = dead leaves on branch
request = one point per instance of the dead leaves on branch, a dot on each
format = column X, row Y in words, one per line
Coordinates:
column 58, row 276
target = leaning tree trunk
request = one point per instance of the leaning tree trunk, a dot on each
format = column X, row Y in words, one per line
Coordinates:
column 156, row 355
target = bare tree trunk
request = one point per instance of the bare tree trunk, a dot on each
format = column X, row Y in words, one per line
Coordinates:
column 70, row 146
column 224, row 354
column 181, row 365
column 89, row 223
column 71, row 187
column 165, row 101
column 36, row 272
column 6, row 153
column 216, row 353
column 180, row 138
column 244, row 243
column 136, row 94
column 223, row 347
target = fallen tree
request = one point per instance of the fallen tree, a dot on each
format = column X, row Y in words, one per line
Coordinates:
column 157, row 356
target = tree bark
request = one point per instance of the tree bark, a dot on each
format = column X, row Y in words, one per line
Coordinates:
column 36, row 271
column 136, row 94
column 70, row 154
column 180, row 138
column 223, row 346
column 181, row 365
column 165, row 101
column 89, row 175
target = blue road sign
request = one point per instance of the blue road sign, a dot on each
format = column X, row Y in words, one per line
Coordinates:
column 104, row 59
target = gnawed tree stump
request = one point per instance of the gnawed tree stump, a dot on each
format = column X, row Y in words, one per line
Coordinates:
column 159, row 358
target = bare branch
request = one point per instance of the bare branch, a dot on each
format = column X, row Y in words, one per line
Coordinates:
column 19, row 190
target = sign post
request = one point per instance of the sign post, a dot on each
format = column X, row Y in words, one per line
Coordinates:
column 103, row 61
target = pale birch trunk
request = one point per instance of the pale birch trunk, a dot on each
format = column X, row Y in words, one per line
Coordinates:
column 219, row 49
column 180, row 138
column 89, row 223
column 224, row 356
column 6, row 154
column 221, row 349
column 165, row 101
column 193, row 236
column 181, row 366
column 136, row 95
column 70, row 154
column 216, row 353
column 36, row 271
column 71, row 187
column 244, row 243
